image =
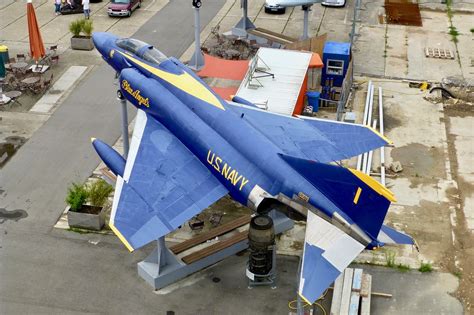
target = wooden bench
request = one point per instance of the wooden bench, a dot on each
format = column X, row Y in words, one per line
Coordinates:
column 201, row 238
column 212, row 249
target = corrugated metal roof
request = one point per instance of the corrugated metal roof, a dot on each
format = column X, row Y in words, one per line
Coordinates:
column 279, row 94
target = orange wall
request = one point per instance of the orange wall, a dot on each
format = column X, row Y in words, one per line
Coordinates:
column 299, row 106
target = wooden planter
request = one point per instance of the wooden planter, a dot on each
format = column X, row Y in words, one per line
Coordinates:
column 85, row 220
column 82, row 43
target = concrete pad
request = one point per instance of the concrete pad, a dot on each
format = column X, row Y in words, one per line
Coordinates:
column 422, row 68
column 465, row 48
column 370, row 11
column 461, row 128
column 370, row 46
column 396, row 62
column 52, row 96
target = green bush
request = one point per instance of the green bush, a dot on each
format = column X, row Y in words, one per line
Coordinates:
column 76, row 196
column 425, row 267
column 390, row 258
column 87, row 27
column 75, row 27
column 98, row 192
column 81, row 26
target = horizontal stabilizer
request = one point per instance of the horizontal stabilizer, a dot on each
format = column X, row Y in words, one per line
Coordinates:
column 309, row 138
column 389, row 235
column 356, row 194
column 327, row 252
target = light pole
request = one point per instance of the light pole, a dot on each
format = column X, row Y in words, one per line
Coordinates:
column 197, row 61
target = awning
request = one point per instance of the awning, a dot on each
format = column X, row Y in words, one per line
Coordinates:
column 224, row 69
column 315, row 61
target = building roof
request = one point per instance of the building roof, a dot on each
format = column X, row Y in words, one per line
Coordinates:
column 278, row 94
column 225, row 69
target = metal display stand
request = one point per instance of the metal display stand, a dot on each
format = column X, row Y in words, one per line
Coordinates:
column 240, row 29
column 197, row 60
column 162, row 267
column 306, row 9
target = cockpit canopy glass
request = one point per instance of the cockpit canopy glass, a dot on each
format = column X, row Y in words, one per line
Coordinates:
column 142, row 50
column 153, row 55
column 130, row 44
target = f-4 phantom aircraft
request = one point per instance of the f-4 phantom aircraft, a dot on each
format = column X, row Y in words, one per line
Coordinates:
column 190, row 148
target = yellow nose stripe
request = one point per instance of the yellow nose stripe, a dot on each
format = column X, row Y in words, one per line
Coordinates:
column 184, row 82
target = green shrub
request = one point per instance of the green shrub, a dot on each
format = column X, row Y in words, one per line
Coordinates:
column 403, row 268
column 76, row 196
column 425, row 267
column 390, row 258
column 75, row 27
column 98, row 192
column 87, row 27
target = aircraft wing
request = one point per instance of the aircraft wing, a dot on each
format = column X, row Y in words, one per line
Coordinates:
column 163, row 186
column 327, row 252
column 310, row 138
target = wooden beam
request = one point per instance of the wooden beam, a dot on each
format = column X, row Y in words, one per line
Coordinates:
column 209, row 250
column 201, row 238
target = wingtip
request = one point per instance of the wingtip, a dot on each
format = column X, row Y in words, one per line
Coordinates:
column 93, row 139
column 121, row 237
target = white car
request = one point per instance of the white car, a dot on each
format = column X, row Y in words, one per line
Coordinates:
column 334, row 3
column 278, row 6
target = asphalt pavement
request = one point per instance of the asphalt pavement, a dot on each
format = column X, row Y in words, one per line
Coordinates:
column 45, row 271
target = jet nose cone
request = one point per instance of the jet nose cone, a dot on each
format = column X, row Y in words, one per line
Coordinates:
column 102, row 40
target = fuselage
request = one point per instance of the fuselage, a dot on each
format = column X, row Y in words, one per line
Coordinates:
column 245, row 161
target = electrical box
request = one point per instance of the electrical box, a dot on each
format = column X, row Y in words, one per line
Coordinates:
column 336, row 58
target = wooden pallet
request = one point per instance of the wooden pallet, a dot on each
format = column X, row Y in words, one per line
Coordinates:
column 352, row 292
column 439, row 53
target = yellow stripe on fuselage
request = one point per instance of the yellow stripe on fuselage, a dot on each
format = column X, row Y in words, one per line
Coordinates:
column 375, row 185
column 121, row 237
column 184, row 82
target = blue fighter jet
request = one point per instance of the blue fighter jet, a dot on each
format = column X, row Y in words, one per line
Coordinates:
column 190, row 148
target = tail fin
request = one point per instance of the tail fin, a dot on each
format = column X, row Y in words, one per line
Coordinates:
column 356, row 194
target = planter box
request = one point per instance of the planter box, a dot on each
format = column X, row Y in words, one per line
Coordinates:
column 86, row 220
column 82, row 43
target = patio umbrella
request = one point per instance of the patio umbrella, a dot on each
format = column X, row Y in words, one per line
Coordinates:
column 36, row 42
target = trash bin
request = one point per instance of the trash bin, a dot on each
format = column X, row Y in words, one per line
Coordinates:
column 4, row 59
column 313, row 99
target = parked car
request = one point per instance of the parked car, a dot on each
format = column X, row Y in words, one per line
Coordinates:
column 272, row 7
column 334, row 3
column 123, row 7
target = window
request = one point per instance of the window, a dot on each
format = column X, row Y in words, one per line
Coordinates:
column 130, row 44
column 153, row 55
column 335, row 67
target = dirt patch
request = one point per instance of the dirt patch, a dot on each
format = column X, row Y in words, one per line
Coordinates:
column 420, row 161
column 391, row 117
column 9, row 148
column 14, row 215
